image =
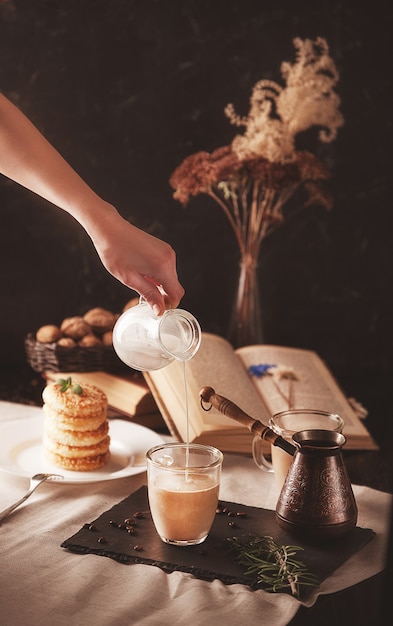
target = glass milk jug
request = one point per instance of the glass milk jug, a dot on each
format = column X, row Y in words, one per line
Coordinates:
column 145, row 341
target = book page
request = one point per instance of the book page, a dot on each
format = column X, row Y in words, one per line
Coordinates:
column 315, row 388
column 214, row 365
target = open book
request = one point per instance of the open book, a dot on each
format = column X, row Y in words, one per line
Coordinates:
column 218, row 365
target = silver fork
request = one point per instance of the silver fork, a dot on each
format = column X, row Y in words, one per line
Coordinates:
column 35, row 481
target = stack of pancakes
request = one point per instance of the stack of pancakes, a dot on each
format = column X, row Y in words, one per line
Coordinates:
column 76, row 426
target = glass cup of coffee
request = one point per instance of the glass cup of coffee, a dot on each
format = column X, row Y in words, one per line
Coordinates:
column 183, row 488
column 286, row 424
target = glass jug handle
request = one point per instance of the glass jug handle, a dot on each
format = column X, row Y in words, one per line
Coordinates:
column 259, row 458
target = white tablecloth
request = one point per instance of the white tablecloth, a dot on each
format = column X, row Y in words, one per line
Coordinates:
column 41, row 583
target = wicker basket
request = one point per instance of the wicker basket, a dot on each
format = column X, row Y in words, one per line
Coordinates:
column 50, row 356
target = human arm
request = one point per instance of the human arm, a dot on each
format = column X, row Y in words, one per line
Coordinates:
column 134, row 257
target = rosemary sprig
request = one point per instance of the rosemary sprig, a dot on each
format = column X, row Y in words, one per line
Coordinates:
column 66, row 383
column 273, row 563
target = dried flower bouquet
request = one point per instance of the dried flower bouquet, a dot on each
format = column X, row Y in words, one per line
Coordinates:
column 253, row 178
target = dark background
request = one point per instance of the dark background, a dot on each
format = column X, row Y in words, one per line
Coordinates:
column 125, row 90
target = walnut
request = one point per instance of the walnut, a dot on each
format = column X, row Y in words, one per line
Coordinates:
column 48, row 333
column 100, row 320
column 89, row 341
column 107, row 338
column 75, row 327
column 66, row 342
column 130, row 304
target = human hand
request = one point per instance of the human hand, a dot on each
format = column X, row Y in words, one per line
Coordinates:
column 137, row 259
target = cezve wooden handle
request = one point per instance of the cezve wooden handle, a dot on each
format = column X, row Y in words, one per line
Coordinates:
column 230, row 409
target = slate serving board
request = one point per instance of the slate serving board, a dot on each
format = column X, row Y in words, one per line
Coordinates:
column 209, row 560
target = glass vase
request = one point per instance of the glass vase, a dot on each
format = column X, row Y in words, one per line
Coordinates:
column 246, row 324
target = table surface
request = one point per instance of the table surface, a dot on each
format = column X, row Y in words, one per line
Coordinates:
column 361, row 603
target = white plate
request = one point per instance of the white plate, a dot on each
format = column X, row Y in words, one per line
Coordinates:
column 21, row 452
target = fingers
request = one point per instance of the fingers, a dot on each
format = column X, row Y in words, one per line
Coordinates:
column 158, row 298
column 173, row 296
